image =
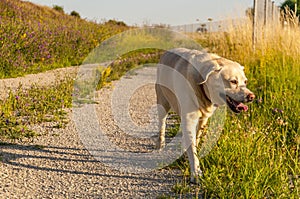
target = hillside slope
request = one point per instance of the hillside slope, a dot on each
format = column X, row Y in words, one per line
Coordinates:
column 36, row 38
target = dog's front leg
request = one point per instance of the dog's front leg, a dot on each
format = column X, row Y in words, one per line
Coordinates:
column 200, row 128
column 189, row 124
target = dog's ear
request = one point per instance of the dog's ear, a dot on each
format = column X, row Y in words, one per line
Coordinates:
column 207, row 68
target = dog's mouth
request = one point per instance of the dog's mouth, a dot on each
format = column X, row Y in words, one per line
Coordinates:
column 236, row 106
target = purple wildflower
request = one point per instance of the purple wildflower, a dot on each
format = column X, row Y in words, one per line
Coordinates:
column 277, row 110
column 259, row 101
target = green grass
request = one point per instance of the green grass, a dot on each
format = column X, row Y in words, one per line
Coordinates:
column 27, row 107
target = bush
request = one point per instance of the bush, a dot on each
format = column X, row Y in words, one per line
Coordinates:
column 75, row 14
column 58, row 8
column 114, row 22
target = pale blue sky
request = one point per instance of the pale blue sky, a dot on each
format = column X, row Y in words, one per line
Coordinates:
column 138, row 12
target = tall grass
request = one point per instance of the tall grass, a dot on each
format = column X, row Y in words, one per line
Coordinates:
column 258, row 153
column 35, row 38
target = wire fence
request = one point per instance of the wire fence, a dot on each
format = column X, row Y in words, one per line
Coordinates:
column 211, row 26
column 264, row 15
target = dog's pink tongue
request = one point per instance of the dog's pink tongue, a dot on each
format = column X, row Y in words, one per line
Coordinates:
column 242, row 107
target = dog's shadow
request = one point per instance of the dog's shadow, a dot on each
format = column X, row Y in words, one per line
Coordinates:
column 62, row 160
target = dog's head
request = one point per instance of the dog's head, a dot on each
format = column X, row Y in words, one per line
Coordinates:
column 225, row 82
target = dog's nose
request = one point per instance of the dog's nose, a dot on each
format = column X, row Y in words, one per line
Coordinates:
column 250, row 97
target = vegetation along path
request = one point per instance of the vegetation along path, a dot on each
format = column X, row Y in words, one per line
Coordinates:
column 57, row 165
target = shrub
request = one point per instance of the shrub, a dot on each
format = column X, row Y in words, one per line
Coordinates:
column 59, row 8
column 75, row 14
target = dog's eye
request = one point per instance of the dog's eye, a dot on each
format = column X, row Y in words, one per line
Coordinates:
column 234, row 81
column 246, row 81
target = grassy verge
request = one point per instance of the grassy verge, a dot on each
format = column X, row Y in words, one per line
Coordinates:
column 27, row 107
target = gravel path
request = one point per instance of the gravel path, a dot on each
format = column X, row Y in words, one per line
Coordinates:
column 42, row 79
column 58, row 165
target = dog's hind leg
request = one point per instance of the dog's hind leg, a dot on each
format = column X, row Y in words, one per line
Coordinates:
column 162, row 117
column 163, row 108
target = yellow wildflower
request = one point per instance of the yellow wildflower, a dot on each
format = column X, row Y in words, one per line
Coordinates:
column 24, row 36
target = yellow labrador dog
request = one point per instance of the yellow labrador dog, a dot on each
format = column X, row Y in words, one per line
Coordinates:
column 194, row 83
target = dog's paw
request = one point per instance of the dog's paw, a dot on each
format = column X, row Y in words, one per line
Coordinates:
column 160, row 145
column 157, row 143
column 195, row 178
column 194, row 181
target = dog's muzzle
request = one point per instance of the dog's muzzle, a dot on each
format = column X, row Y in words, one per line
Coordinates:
column 237, row 106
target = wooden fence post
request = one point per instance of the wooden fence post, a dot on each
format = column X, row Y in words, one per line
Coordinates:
column 254, row 28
